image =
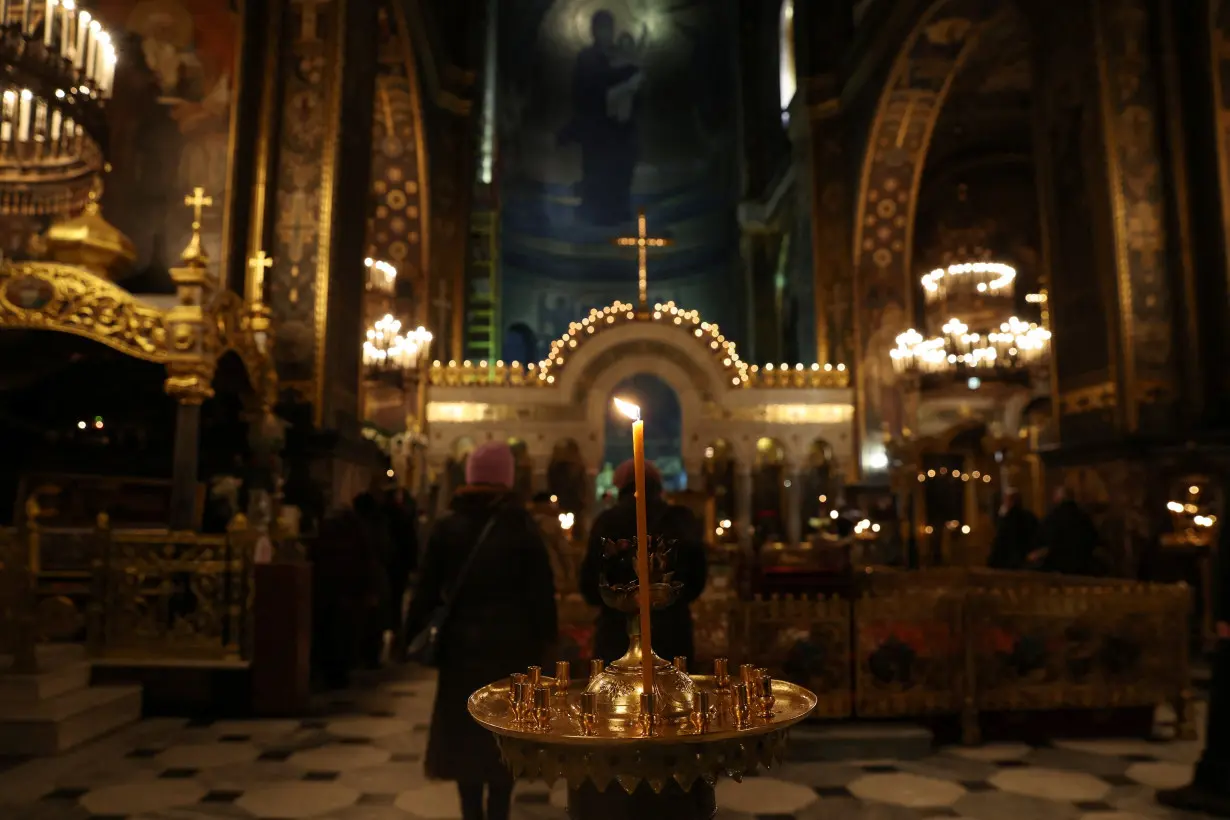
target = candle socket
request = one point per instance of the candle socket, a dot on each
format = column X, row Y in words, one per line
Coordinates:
column 520, row 700
column 702, row 711
column 534, row 675
column 648, row 717
column 721, row 672
column 589, row 713
column 596, row 668
column 743, row 706
column 542, row 708
column 747, row 674
column 563, row 677
column 513, row 680
column 681, row 663
column 766, row 699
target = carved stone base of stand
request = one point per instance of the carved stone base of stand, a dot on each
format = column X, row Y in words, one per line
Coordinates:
column 672, row 803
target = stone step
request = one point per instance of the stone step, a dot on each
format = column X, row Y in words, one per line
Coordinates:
column 67, row 720
column 60, row 670
column 859, row 741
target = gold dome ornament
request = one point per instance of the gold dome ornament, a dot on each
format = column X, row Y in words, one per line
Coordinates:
column 90, row 241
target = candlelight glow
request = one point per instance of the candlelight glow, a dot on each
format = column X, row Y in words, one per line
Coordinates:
column 628, row 409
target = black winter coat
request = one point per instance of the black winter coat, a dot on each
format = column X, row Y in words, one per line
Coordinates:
column 502, row 620
column 1070, row 538
column 1015, row 532
column 672, row 627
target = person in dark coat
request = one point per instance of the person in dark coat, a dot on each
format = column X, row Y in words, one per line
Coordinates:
column 375, row 617
column 402, row 515
column 502, row 620
column 1067, row 538
column 342, row 594
column 1209, row 790
column 672, row 626
column 1016, row 530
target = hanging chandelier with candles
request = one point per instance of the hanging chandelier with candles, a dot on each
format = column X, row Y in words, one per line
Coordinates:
column 57, row 68
column 389, row 351
column 987, row 339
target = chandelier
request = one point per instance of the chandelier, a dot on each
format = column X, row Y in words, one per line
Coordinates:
column 986, row 341
column 57, row 66
column 381, row 276
column 389, row 351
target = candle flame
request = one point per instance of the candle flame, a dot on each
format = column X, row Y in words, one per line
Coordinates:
column 628, row 409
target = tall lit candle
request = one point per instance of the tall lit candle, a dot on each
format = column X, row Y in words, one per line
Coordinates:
column 642, row 538
column 91, row 47
column 83, row 26
column 23, row 116
column 49, row 18
column 25, row 17
column 66, row 25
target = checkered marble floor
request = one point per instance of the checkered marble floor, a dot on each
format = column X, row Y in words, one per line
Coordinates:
column 359, row 757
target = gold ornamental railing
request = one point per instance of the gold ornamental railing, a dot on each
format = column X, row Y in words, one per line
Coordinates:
column 174, row 595
column 962, row 643
column 140, row 594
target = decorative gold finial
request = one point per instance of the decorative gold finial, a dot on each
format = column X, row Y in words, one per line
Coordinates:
column 195, row 254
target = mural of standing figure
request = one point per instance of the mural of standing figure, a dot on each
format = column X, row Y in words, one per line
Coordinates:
column 606, row 79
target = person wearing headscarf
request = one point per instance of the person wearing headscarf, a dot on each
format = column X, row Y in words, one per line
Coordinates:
column 672, row 626
column 486, row 558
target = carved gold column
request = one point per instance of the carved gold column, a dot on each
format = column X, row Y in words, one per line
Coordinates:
column 190, row 367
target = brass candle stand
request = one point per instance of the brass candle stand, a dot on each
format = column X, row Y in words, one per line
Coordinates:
column 627, row 753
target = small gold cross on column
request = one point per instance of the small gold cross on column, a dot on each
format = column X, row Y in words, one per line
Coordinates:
column 197, row 201
column 642, row 242
column 194, row 255
column 257, row 265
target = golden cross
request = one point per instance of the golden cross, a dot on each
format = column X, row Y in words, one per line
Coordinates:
column 642, row 242
column 197, row 202
column 256, row 283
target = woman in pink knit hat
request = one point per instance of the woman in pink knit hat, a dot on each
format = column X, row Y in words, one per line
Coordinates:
column 487, row 559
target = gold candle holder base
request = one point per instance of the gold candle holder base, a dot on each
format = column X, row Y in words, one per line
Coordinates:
column 586, row 742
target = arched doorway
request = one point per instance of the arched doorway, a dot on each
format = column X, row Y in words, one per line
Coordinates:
column 520, row 344
column 769, row 491
column 720, row 467
column 663, row 428
column 566, row 476
column 819, row 484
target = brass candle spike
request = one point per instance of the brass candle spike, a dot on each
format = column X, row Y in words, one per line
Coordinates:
column 721, row 672
column 702, row 711
column 681, row 663
column 743, row 706
column 648, row 717
column 596, row 668
column 589, row 713
column 513, row 680
column 563, row 677
column 766, row 697
column 534, row 675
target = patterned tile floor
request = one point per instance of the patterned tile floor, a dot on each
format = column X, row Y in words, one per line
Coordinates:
column 360, row 758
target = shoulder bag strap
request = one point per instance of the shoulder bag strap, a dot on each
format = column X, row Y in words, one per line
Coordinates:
column 465, row 567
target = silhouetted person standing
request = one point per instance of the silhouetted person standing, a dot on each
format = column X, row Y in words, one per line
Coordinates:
column 1067, row 538
column 672, row 626
column 1209, row 790
column 1016, row 529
